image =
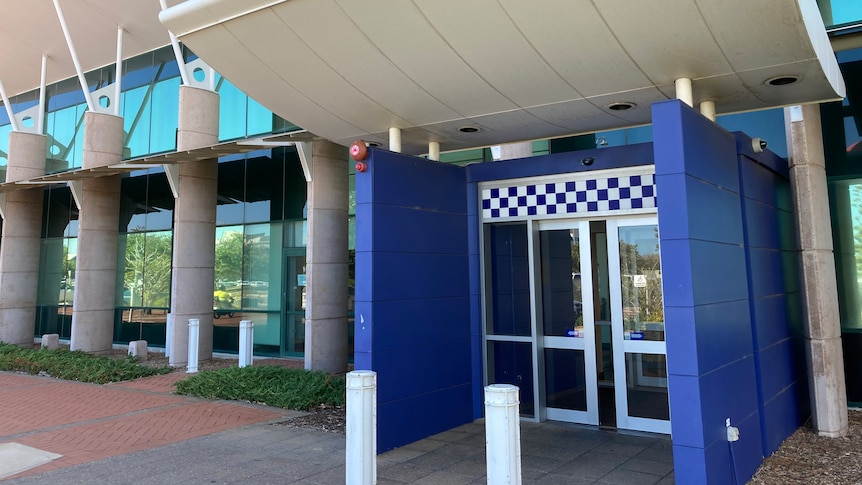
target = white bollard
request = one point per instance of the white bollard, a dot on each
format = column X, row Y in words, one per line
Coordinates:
column 502, row 434
column 361, row 428
column 246, row 342
column 169, row 332
column 194, row 337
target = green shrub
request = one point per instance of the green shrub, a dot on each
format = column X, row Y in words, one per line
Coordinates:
column 74, row 365
column 274, row 386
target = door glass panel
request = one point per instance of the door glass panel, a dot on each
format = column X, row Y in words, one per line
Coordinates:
column 565, row 379
column 294, row 305
column 640, row 279
column 507, row 260
column 646, row 383
column 562, row 308
column 512, row 363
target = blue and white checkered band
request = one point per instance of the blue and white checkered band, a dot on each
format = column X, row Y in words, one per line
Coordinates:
column 596, row 195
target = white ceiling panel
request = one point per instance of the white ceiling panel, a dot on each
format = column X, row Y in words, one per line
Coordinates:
column 265, row 35
column 338, row 42
column 436, row 67
column 685, row 47
column 572, row 38
column 485, row 37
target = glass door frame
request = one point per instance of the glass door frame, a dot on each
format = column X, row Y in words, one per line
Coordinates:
column 289, row 277
column 585, row 343
column 621, row 346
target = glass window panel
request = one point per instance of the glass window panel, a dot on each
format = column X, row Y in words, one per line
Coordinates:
column 146, row 270
column 512, row 363
column 565, row 379
column 640, row 268
column 267, row 333
column 646, row 385
column 845, row 199
column 136, row 121
column 165, row 115
column 257, row 270
column 233, row 109
column 562, row 308
column 507, row 268
column 840, row 12
column 228, row 259
column 259, row 118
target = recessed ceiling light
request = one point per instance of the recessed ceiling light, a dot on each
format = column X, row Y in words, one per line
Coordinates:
column 621, row 106
column 782, row 80
column 469, row 129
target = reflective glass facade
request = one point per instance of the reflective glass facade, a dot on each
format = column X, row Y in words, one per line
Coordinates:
column 840, row 12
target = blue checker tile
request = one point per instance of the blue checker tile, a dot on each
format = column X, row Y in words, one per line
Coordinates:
column 601, row 194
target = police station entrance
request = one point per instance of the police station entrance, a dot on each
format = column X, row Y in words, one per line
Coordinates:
column 575, row 317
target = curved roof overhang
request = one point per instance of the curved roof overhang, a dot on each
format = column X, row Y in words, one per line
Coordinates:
column 515, row 70
column 31, row 28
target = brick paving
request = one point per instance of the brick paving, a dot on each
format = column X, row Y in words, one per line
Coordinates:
column 150, row 436
column 89, row 422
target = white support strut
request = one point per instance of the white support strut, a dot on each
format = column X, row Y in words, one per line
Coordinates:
column 74, row 54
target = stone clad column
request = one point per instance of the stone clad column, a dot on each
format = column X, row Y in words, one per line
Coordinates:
column 193, row 264
column 326, row 259
column 19, row 251
column 820, row 293
column 98, row 236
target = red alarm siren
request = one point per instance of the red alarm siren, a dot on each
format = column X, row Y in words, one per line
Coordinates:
column 359, row 150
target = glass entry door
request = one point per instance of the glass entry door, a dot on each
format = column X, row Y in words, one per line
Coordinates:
column 575, row 318
column 294, row 302
column 567, row 321
column 637, row 320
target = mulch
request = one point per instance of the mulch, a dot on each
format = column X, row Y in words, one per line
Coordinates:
column 808, row 459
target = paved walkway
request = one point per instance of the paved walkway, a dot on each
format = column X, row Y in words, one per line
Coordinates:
column 139, row 433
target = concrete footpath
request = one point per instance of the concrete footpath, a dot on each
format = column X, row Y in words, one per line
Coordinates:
column 138, row 433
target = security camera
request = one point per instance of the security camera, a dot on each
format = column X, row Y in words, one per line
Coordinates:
column 758, row 145
column 587, row 161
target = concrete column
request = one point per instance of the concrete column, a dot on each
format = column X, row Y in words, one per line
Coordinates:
column 98, row 235
column 326, row 260
column 19, row 252
column 516, row 150
column 193, row 272
column 820, row 293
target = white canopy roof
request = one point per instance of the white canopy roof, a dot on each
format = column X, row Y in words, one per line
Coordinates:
column 517, row 70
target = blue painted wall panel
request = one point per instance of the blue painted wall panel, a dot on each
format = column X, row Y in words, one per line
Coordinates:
column 685, row 410
column 411, row 235
column 689, row 464
column 428, row 321
column 401, row 276
column 731, row 295
column 767, row 272
column 676, row 270
column 413, row 303
column 432, row 367
column 781, row 415
column 407, row 420
column 416, row 182
column 718, row 272
column 722, row 335
column 763, row 225
column 728, row 392
column 567, row 162
column 689, row 143
column 771, row 319
column 714, row 212
column 778, row 367
column 681, row 331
